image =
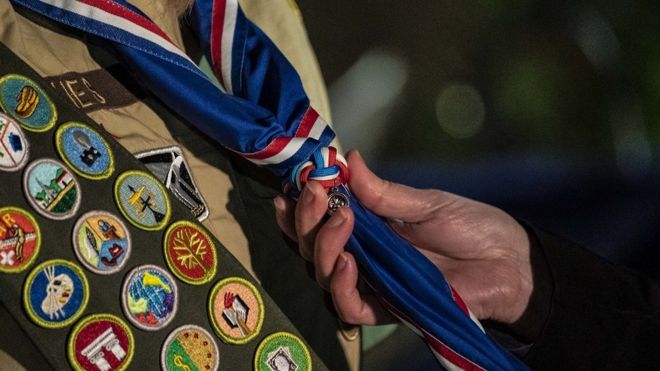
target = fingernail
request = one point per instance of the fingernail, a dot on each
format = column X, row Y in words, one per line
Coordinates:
column 279, row 204
column 342, row 262
column 337, row 219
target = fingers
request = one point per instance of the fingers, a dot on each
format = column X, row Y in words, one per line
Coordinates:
column 330, row 241
column 352, row 306
column 311, row 208
column 285, row 215
column 388, row 199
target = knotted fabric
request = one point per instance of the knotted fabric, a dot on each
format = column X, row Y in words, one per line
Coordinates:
column 262, row 112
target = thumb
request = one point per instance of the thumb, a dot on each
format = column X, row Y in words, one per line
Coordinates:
column 388, row 199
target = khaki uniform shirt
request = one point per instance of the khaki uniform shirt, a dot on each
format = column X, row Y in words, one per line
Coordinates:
column 139, row 129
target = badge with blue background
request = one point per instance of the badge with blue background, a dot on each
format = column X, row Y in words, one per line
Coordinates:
column 84, row 150
column 143, row 200
column 27, row 102
column 55, row 293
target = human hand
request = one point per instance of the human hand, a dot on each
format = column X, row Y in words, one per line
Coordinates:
column 482, row 251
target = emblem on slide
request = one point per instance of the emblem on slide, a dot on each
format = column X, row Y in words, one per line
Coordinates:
column 282, row 351
column 190, row 253
column 150, row 297
column 84, row 150
column 171, row 168
column 142, row 200
column 236, row 310
column 27, row 102
column 55, row 293
column 51, row 189
column 14, row 149
column 189, row 347
column 20, row 239
column 100, row 342
column 101, row 242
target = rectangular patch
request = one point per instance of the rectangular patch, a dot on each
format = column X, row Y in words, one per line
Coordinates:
column 94, row 90
column 171, row 168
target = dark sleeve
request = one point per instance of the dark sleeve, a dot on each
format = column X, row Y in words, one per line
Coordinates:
column 588, row 313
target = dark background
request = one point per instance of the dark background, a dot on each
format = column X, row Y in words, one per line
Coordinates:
column 547, row 109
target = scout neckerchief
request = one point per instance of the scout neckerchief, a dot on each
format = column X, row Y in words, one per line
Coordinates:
column 262, row 112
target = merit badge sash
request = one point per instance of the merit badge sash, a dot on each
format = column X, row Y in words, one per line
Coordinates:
column 262, row 112
column 102, row 267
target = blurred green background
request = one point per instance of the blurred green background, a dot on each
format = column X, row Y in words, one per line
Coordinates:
column 547, row 109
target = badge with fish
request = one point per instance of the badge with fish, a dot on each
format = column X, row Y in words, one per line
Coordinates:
column 150, row 297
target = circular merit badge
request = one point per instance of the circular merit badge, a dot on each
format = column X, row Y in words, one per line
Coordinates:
column 20, row 239
column 101, row 242
column 100, row 342
column 27, row 102
column 189, row 347
column 150, row 297
column 143, row 200
column 190, row 253
column 236, row 310
column 55, row 293
column 282, row 351
column 84, row 150
column 51, row 189
column 14, row 148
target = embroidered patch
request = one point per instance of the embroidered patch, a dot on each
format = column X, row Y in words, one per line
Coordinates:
column 142, row 200
column 101, row 242
column 282, row 351
column 20, row 239
column 100, row 342
column 236, row 310
column 190, row 253
column 171, row 168
column 189, row 347
column 25, row 101
column 51, row 189
column 55, row 293
column 14, row 148
column 150, row 297
column 84, row 150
